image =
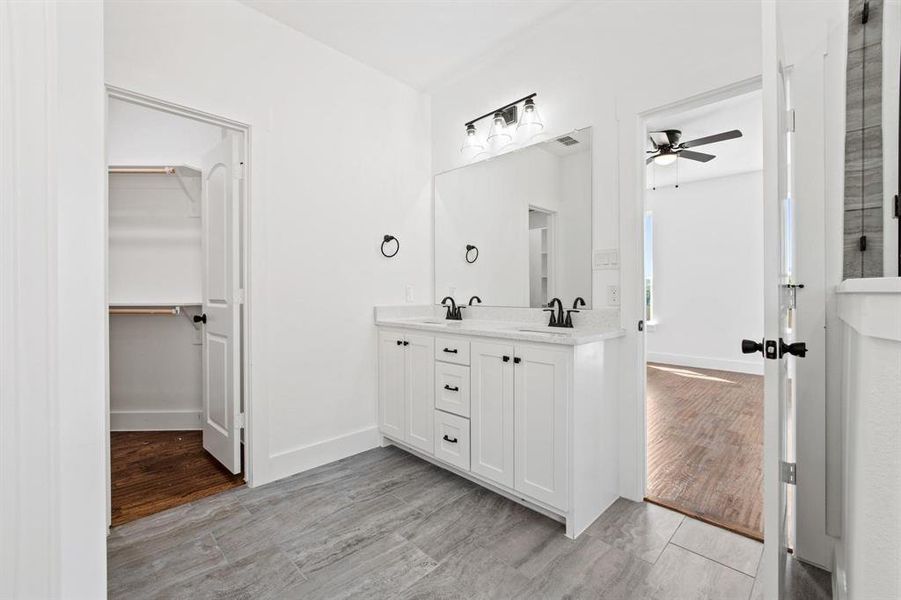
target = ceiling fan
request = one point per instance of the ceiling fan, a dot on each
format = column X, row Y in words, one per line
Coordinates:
column 667, row 147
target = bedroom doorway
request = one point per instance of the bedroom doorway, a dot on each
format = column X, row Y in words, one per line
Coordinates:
column 704, row 285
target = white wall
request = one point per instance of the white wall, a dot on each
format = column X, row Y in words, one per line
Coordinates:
column 52, row 310
column 708, row 272
column 593, row 64
column 339, row 156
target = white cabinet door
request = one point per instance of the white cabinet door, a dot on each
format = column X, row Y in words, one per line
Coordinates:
column 420, row 391
column 541, row 377
column 491, row 411
column 391, row 383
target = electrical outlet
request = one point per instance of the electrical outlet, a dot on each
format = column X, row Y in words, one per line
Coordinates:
column 408, row 293
column 613, row 295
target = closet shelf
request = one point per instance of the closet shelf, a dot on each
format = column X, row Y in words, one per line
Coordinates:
column 152, row 304
column 183, row 170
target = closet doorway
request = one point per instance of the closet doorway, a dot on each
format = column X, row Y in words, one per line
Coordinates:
column 176, row 293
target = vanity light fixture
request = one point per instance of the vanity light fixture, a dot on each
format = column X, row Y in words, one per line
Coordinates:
column 502, row 120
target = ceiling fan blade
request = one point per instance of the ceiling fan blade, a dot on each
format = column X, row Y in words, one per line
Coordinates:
column 659, row 138
column 698, row 156
column 712, row 139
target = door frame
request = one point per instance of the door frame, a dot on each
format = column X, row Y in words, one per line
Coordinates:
column 639, row 208
column 133, row 97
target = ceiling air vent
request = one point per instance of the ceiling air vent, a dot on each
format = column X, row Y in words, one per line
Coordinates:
column 567, row 140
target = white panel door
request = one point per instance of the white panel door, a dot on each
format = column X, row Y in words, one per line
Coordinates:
column 391, row 383
column 540, row 385
column 420, row 391
column 491, row 412
column 221, row 306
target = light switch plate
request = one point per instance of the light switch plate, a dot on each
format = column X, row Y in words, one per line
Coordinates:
column 605, row 260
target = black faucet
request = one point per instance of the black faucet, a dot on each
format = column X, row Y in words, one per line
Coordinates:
column 579, row 301
column 453, row 311
column 476, row 298
column 557, row 319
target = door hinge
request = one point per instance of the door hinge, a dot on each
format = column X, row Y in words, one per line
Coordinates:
column 241, row 421
column 789, row 472
column 790, row 120
column 240, row 296
column 862, row 243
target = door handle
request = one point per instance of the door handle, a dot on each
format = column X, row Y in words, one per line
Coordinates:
column 447, row 439
column 451, row 389
column 200, row 318
column 766, row 347
column 750, row 347
column 798, row 349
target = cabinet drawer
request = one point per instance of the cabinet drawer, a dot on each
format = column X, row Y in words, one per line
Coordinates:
column 452, row 439
column 452, row 350
column 452, row 388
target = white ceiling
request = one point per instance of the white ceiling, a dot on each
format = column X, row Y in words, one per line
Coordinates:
column 740, row 155
column 418, row 42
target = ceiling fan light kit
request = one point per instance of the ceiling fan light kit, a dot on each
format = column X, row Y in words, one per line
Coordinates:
column 527, row 123
column 667, row 146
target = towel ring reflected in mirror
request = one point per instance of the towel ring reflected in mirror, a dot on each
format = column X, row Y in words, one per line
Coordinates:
column 470, row 248
column 387, row 240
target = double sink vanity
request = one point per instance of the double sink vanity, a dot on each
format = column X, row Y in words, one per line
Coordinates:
column 524, row 409
column 503, row 393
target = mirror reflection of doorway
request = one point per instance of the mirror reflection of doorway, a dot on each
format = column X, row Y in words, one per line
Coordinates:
column 541, row 264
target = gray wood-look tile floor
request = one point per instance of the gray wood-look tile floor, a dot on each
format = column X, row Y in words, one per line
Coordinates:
column 385, row 524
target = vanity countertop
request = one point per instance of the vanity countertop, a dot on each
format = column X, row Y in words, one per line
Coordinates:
column 510, row 330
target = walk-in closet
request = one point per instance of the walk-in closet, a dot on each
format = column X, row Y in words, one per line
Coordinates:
column 175, row 292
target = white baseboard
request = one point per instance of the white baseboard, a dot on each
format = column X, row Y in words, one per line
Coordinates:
column 704, row 362
column 154, row 420
column 308, row 457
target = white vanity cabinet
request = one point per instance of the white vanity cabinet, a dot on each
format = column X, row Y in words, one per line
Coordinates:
column 536, row 422
column 407, row 388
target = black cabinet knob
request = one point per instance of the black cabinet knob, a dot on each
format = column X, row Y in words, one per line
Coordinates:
column 506, row 358
column 516, row 360
column 406, row 343
column 400, row 342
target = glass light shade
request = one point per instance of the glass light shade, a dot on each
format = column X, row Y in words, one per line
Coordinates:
column 665, row 159
column 498, row 134
column 530, row 122
column 472, row 145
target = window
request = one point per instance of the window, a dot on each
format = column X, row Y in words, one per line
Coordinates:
column 648, row 266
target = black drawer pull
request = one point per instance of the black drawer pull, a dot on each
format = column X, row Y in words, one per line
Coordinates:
column 406, row 343
column 449, row 351
column 517, row 360
column 451, row 389
column 400, row 342
column 447, row 439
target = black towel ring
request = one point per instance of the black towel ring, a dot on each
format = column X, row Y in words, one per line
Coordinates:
column 386, row 240
column 470, row 248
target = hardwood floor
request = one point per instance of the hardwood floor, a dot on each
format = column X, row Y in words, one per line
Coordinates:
column 705, row 445
column 156, row 470
column 386, row 525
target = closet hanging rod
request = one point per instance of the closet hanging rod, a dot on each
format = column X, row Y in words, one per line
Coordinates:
column 173, row 310
column 145, row 170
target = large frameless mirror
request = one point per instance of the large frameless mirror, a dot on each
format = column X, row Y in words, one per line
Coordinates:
column 515, row 230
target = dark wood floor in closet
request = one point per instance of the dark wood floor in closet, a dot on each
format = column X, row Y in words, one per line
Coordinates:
column 156, row 470
column 705, row 445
